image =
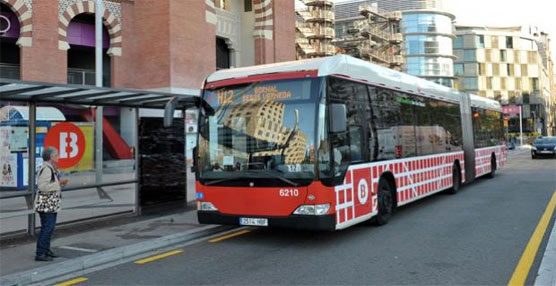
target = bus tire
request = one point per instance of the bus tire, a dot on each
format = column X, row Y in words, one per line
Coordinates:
column 456, row 180
column 492, row 167
column 385, row 202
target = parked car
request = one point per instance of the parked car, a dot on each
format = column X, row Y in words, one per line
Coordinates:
column 543, row 146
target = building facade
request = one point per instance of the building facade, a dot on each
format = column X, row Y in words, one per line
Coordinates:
column 427, row 34
column 53, row 40
column 511, row 65
column 314, row 29
column 372, row 36
column 160, row 45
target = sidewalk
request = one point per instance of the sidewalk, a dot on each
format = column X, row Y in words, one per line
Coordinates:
column 94, row 248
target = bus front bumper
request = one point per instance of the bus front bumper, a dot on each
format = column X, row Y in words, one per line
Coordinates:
column 321, row 222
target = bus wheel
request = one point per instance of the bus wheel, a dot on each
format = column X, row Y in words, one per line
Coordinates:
column 456, row 180
column 385, row 203
column 492, row 167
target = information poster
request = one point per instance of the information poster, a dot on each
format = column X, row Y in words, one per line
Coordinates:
column 5, row 139
column 18, row 138
column 8, row 176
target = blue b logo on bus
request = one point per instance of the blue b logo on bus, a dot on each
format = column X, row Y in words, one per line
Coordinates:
column 200, row 196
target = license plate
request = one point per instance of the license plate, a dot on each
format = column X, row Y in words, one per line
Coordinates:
column 253, row 221
column 546, row 152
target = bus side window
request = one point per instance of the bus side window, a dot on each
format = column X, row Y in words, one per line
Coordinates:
column 355, row 142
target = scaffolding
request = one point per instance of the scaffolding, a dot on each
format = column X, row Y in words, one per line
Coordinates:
column 314, row 29
column 375, row 38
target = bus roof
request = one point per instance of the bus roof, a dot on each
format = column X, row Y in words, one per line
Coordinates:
column 485, row 103
column 348, row 66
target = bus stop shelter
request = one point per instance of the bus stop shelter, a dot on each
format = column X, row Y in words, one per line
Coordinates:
column 36, row 93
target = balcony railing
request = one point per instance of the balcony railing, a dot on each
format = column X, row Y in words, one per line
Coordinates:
column 9, row 71
column 82, row 77
column 85, row 77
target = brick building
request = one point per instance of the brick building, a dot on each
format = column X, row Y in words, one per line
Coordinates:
column 148, row 44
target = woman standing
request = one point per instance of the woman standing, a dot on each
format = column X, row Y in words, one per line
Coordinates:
column 47, row 201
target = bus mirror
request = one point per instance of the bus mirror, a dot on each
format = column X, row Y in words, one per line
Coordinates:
column 338, row 117
column 169, row 111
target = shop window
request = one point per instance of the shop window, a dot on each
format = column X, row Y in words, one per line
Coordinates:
column 509, row 42
column 222, row 54
column 458, row 42
column 459, row 69
column 10, row 52
column 469, row 55
column 480, row 41
column 248, row 4
column 494, row 42
column 503, row 55
column 81, row 55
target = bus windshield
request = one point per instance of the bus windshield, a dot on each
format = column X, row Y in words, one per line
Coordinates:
column 260, row 130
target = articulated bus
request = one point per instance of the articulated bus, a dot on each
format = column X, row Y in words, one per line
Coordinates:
column 327, row 143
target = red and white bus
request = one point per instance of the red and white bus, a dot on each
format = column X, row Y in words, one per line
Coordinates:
column 328, row 143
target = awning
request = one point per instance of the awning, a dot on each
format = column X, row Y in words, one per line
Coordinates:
column 12, row 112
column 40, row 92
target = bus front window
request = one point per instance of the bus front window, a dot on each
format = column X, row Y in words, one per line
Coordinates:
column 261, row 130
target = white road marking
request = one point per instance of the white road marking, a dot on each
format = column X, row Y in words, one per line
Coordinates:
column 78, row 249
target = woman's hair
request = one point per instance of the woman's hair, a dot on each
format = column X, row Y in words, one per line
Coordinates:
column 48, row 152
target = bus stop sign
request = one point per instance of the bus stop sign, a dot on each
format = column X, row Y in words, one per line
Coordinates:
column 69, row 140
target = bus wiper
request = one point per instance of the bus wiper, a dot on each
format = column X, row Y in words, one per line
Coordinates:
column 283, row 179
column 225, row 180
column 254, row 175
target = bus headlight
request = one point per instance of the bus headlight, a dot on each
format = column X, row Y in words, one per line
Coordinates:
column 206, row 206
column 321, row 209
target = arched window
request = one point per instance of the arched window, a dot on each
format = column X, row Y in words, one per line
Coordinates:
column 9, row 33
column 81, row 55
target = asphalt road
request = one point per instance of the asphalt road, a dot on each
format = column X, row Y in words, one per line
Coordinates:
column 474, row 237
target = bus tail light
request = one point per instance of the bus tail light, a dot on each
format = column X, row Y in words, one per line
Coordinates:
column 321, row 209
column 206, row 206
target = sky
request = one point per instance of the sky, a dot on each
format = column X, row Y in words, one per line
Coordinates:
column 540, row 13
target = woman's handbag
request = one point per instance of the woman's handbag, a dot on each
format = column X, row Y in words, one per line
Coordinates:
column 47, row 202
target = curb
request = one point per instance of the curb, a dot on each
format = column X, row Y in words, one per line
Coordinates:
column 104, row 257
column 547, row 270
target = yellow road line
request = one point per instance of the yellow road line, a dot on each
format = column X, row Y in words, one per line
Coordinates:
column 72, row 281
column 528, row 257
column 229, row 236
column 159, row 256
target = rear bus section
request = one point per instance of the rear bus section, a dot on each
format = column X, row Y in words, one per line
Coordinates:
column 488, row 136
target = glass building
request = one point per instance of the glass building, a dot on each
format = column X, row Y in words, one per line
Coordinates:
column 428, row 37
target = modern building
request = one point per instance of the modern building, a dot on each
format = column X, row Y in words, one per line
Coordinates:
column 157, row 48
column 314, row 29
column 407, row 5
column 427, row 35
column 373, row 35
column 511, row 65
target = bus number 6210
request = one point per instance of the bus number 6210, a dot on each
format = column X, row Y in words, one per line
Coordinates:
column 289, row 192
